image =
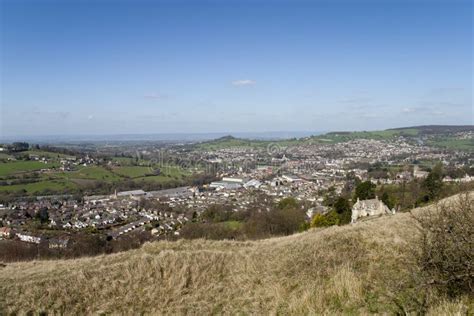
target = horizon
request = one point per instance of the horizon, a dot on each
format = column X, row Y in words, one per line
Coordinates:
column 108, row 68
column 193, row 137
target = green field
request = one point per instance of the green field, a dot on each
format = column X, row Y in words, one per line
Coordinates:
column 94, row 173
column 38, row 187
column 337, row 137
column 133, row 172
column 159, row 178
column 333, row 137
column 19, row 177
column 453, row 143
column 9, row 168
column 127, row 161
column 229, row 142
column 124, row 161
column 48, row 154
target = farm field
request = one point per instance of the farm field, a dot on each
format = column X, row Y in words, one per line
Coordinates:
column 460, row 144
column 48, row 154
column 133, row 171
column 156, row 179
column 38, row 187
column 9, row 168
column 95, row 173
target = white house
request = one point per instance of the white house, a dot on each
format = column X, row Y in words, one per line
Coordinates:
column 29, row 238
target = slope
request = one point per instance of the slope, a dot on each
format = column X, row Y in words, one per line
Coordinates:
column 354, row 269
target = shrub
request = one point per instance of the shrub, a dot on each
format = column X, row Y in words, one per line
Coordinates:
column 216, row 213
column 287, row 203
column 274, row 222
column 214, row 231
column 446, row 254
column 329, row 219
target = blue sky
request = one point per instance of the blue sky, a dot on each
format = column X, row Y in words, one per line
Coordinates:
column 120, row 67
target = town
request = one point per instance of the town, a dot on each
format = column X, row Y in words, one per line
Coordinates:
column 235, row 157
column 312, row 172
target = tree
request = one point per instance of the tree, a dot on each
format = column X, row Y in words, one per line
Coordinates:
column 330, row 197
column 20, row 146
column 288, row 202
column 434, row 182
column 216, row 213
column 387, row 200
column 365, row 190
column 343, row 210
column 43, row 215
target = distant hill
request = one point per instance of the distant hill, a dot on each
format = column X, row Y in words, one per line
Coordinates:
column 439, row 129
column 353, row 269
column 439, row 136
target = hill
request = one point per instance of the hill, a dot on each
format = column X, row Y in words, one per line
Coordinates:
column 356, row 269
column 43, row 172
column 438, row 129
column 443, row 136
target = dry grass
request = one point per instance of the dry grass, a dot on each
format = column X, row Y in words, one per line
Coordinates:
column 355, row 269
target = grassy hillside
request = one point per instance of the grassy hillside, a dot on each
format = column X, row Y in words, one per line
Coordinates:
column 444, row 138
column 356, row 269
column 380, row 135
column 229, row 142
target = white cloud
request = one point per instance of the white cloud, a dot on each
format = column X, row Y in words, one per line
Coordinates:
column 408, row 110
column 244, row 82
column 90, row 117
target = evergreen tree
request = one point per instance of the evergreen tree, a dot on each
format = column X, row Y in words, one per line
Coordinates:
column 365, row 190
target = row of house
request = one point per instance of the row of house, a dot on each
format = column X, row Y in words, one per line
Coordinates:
column 53, row 243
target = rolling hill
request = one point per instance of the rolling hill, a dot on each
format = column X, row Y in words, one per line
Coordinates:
column 355, row 269
column 442, row 136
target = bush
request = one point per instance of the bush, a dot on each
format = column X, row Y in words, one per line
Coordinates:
column 287, row 203
column 214, row 231
column 446, row 254
column 274, row 222
column 329, row 219
column 216, row 213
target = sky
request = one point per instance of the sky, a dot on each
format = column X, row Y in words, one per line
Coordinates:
column 136, row 67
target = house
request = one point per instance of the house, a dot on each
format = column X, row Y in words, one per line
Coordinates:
column 5, row 232
column 28, row 238
column 234, row 180
column 225, row 185
column 291, row 178
column 252, row 184
column 419, row 174
column 370, row 207
column 130, row 193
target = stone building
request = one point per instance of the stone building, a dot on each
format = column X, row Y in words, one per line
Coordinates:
column 370, row 207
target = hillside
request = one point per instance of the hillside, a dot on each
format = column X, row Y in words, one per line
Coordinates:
column 438, row 129
column 443, row 136
column 355, row 269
